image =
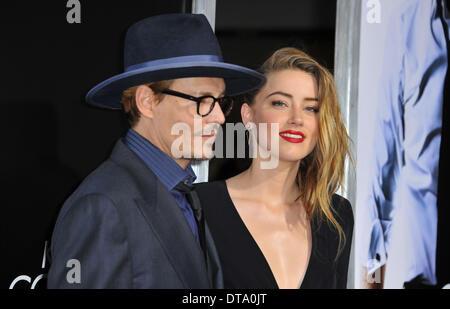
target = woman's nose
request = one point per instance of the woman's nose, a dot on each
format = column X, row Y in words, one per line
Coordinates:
column 296, row 116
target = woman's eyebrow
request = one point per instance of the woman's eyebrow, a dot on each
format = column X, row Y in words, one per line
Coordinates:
column 290, row 96
column 280, row 93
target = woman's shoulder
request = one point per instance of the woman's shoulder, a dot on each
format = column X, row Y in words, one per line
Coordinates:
column 216, row 203
column 212, row 191
column 211, row 186
column 343, row 209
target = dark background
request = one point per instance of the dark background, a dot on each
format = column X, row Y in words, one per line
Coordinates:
column 51, row 139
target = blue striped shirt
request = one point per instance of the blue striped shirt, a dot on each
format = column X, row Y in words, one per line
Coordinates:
column 166, row 170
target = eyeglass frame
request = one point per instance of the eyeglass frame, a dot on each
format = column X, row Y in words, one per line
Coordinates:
column 198, row 100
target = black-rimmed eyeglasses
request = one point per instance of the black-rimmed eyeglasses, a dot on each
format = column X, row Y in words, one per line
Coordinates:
column 205, row 104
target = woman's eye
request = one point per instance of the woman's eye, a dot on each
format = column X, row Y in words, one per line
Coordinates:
column 278, row 103
column 312, row 109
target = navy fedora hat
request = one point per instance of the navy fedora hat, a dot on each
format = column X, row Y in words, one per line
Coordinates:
column 168, row 47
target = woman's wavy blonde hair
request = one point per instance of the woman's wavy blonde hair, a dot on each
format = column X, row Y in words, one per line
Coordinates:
column 321, row 173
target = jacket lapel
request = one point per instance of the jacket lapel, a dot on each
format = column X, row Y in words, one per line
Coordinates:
column 166, row 219
column 182, row 249
column 214, row 267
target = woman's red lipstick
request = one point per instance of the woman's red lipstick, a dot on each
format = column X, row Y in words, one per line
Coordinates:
column 293, row 136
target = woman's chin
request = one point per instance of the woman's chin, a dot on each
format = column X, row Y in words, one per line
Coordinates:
column 291, row 157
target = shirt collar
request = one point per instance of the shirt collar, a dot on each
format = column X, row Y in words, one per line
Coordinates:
column 161, row 164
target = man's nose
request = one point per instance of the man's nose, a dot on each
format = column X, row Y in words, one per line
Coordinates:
column 216, row 115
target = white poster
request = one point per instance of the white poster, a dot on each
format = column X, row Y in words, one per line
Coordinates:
column 403, row 63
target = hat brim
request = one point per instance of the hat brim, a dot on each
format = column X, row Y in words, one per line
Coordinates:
column 238, row 80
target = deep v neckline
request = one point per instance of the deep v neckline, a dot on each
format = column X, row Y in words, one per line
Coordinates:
column 258, row 250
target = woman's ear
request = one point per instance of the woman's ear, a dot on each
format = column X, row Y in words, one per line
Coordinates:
column 145, row 100
column 246, row 114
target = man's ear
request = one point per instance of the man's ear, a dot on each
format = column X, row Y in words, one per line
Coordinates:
column 145, row 100
column 246, row 114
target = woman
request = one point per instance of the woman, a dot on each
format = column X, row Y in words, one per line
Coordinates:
column 284, row 227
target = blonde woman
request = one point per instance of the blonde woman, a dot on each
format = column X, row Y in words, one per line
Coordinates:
column 285, row 227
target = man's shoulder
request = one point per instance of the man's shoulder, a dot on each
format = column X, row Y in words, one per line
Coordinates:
column 108, row 178
column 110, row 184
column 113, row 180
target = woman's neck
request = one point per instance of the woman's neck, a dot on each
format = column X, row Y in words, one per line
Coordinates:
column 276, row 186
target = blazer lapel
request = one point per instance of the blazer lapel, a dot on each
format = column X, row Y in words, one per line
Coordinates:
column 182, row 249
column 214, row 267
column 166, row 219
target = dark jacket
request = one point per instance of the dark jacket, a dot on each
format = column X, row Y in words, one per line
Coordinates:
column 127, row 231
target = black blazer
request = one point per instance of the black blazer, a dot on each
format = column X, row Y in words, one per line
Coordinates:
column 127, row 231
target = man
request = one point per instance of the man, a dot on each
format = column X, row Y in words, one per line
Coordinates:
column 135, row 221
